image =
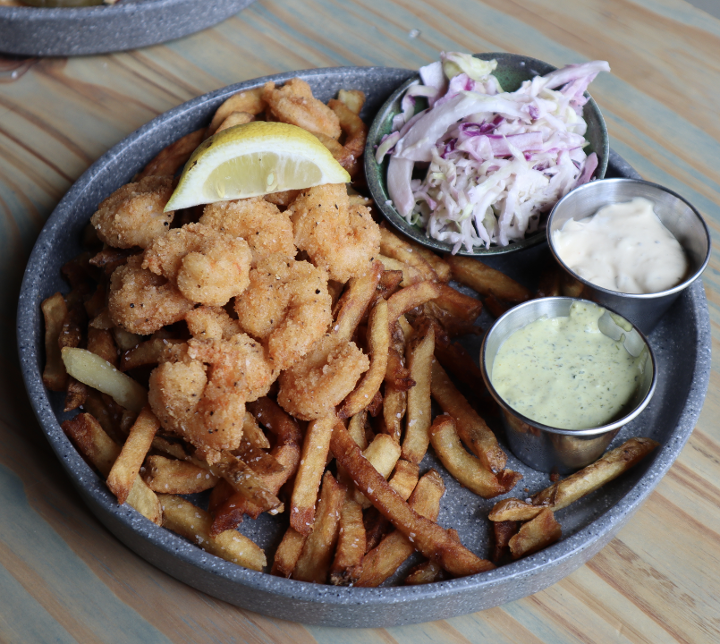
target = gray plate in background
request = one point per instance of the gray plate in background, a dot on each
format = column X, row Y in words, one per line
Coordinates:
column 681, row 344
column 130, row 24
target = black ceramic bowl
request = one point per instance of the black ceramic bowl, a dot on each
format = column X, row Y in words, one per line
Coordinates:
column 511, row 71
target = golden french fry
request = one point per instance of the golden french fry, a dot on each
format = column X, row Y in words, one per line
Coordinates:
column 389, row 283
column 424, row 573
column 193, row 523
column 410, row 274
column 485, row 280
column 170, row 159
column 464, row 466
column 420, row 352
column 457, row 304
column 249, row 101
column 396, row 248
column 146, row 353
column 101, row 451
column 355, row 300
column 473, row 430
column 76, row 395
column 127, row 465
column 428, row 537
column 503, row 532
column 309, row 473
column 99, row 374
column 101, row 343
column 536, row 534
column 382, row 561
column 54, row 311
column 410, row 297
column 235, row 118
column 356, row 429
column 383, row 453
column 353, row 98
column 590, row 478
column 244, row 481
column 258, row 460
column 171, row 476
column 253, row 433
column 347, row 564
column 314, row 562
column 405, row 478
column 378, row 345
column 288, row 553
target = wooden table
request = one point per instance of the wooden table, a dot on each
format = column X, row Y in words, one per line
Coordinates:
column 64, row 578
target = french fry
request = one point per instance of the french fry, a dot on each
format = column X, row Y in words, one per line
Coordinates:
column 382, row 562
column 389, row 283
column 101, row 451
column 101, row 375
column 536, row 534
column 355, row 300
column 383, row 453
column 354, row 129
column 309, row 473
column 405, row 478
column 54, row 310
column 249, row 101
column 101, row 343
column 583, row 482
column 347, row 564
column 410, row 274
column 485, row 280
column 473, row 430
column 173, row 157
column 428, row 537
column 258, row 460
column 76, row 395
column 464, row 466
column 235, row 118
column 503, row 531
column 353, row 98
column 420, row 353
column 288, row 553
column 127, row 465
column 245, row 481
column 171, row 476
column 378, row 345
column 410, row 297
column 193, row 523
column 457, row 304
column 317, row 553
column 424, row 573
column 396, row 248
column 146, row 353
column 376, row 527
column 356, row 429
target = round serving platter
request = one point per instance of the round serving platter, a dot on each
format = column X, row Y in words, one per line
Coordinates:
column 589, row 524
column 101, row 29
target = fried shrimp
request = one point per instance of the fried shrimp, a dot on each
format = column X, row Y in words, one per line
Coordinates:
column 294, row 103
column 133, row 214
column 201, row 391
column 142, row 302
column 339, row 237
column 287, row 306
column 258, row 222
column 211, row 323
column 319, row 382
column 208, row 265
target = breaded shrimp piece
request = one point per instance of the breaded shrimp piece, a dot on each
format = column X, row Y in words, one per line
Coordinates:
column 141, row 302
column 319, row 382
column 202, row 396
column 211, row 323
column 337, row 236
column 208, row 265
column 287, row 306
column 294, row 103
column 258, row 222
column 133, row 214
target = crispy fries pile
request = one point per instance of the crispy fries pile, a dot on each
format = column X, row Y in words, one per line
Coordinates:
column 352, row 484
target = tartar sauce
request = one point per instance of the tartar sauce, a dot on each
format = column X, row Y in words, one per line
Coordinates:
column 564, row 372
column 623, row 247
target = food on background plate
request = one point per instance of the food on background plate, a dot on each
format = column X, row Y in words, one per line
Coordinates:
column 493, row 162
column 279, row 384
column 623, row 247
column 564, row 372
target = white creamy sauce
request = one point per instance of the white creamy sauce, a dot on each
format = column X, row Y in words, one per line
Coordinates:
column 623, row 247
column 564, row 372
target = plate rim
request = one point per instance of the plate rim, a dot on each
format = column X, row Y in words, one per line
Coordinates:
column 583, row 543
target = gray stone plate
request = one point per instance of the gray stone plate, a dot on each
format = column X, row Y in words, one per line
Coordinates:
column 681, row 343
column 32, row 31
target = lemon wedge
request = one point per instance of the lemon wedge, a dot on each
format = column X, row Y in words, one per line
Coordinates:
column 254, row 159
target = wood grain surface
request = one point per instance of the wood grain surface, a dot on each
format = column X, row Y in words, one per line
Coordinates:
column 64, row 578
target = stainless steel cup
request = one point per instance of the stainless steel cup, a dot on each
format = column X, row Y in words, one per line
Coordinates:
column 547, row 448
column 676, row 214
